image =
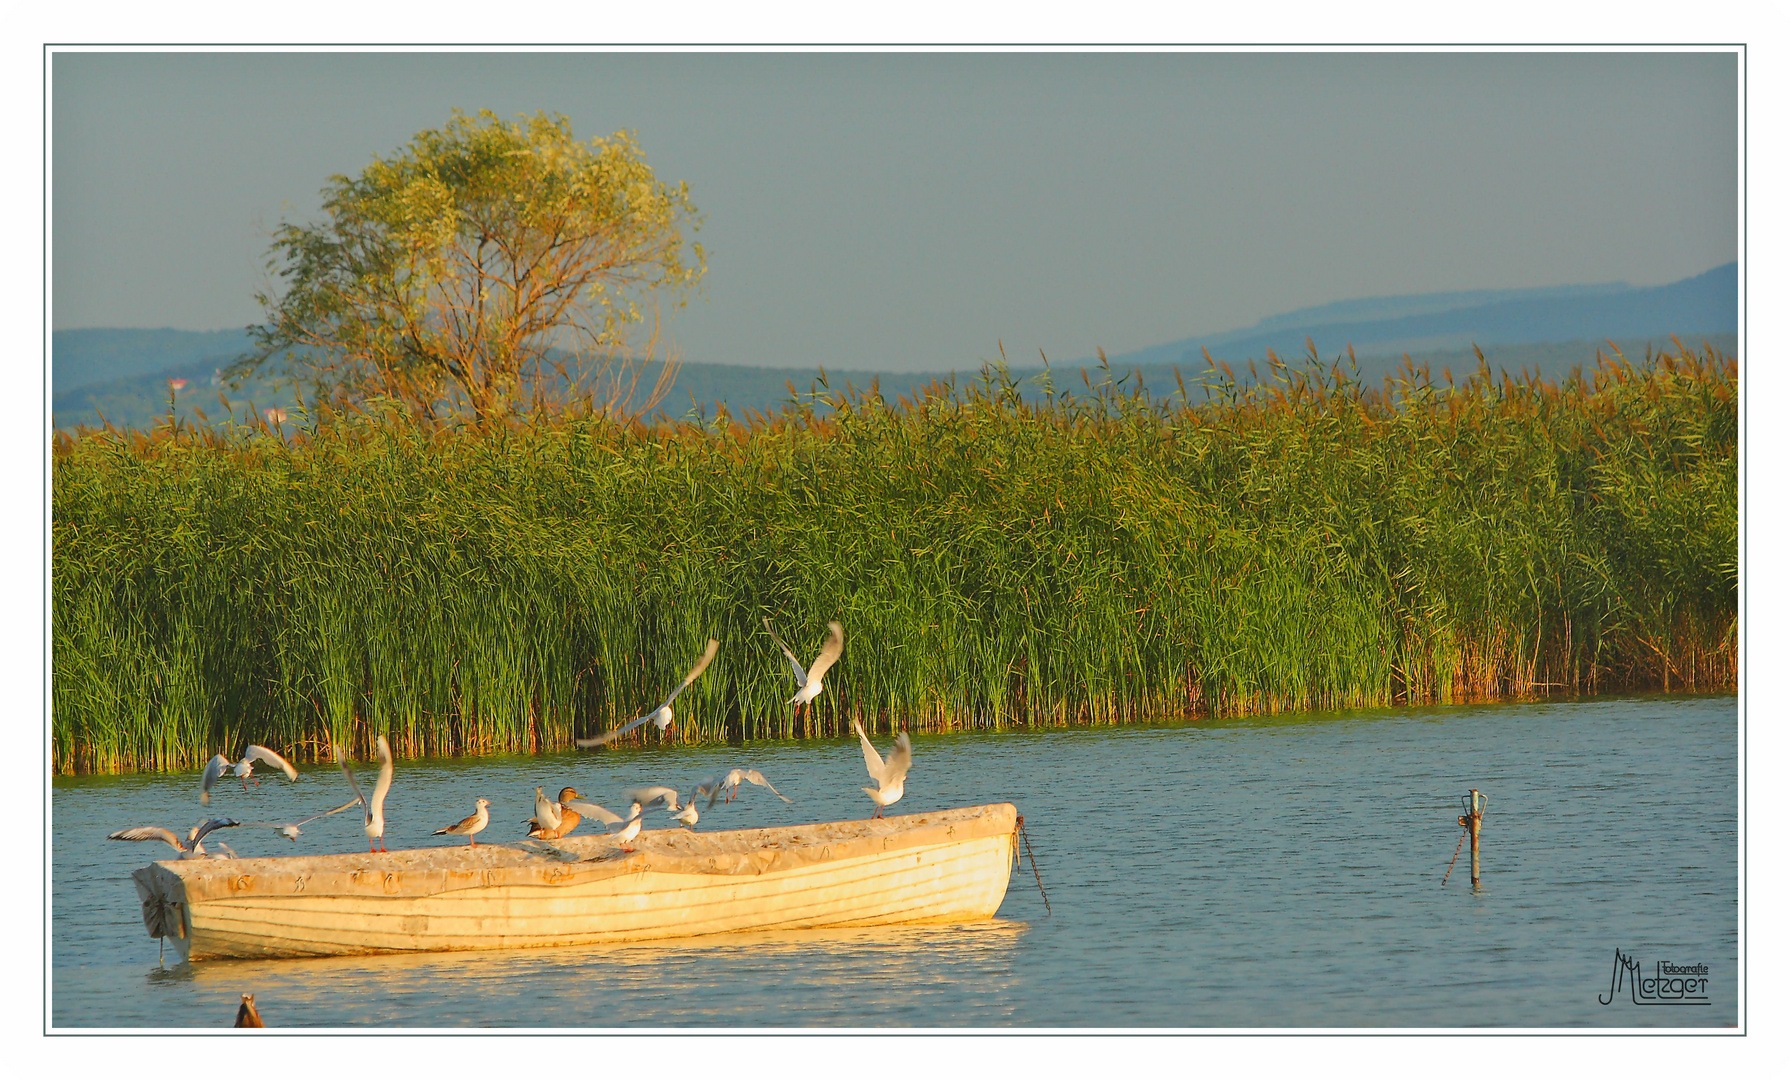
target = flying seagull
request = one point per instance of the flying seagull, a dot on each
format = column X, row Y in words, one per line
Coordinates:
column 646, row 796
column 467, row 826
column 375, row 809
column 244, row 769
column 662, row 715
column 289, row 829
column 890, row 776
column 733, row 780
column 808, row 682
column 192, row 848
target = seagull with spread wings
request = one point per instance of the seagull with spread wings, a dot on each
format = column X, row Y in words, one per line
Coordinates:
column 192, row 848
column 661, row 716
column 375, row 808
column 891, row 775
column 734, row 779
column 244, row 769
column 808, row 682
column 289, row 829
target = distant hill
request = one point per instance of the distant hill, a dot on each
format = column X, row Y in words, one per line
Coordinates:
column 124, row 373
column 1708, row 303
column 85, row 357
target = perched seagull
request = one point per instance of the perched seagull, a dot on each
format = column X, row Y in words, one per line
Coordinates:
column 630, row 829
column 546, row 812
column 890, row 776
column 467, row 826
column 662, row 715
column 193, row 848
column 646, row 796
column 568, row 817
column 246, row 1013
column 808, row 682
column 244, row 769
column 688, row 816
column 375, row 809
column 733, row 780
column 289, row 829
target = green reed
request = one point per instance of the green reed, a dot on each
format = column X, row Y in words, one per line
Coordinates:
column 1295, row 541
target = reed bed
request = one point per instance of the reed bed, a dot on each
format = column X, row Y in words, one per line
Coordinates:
column 1293, row 541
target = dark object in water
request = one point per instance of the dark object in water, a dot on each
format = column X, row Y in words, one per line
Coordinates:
column 246, row 1016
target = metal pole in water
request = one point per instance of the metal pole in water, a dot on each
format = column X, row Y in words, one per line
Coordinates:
column 1472, row 819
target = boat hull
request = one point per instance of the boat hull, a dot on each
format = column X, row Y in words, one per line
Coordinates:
column 949, row 866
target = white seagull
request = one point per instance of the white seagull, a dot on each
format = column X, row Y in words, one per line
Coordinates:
column 289, row 829
column 193, row 848
column 890, row 776
column 244, row 769
column 688, row 815
column 467, row 826
column 733, row 780
column 546, row 812
column 660, row 716
column 375, row 809
column 630, row 829
column 647, row 796
column 708, row 788
column 808, row 682
column 590, row 810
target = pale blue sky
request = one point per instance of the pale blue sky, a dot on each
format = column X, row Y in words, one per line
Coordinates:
column 908, row 211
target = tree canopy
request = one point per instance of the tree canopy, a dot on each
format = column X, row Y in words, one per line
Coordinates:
column 486, row 264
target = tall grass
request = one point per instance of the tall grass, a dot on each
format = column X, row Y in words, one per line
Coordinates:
column 1297, row 541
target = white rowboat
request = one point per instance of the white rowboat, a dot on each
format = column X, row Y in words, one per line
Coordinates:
column 947, row 866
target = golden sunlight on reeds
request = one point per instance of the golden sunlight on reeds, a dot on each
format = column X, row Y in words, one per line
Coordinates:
column 1299, row 541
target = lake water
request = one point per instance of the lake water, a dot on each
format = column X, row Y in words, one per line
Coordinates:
column 1280, row 872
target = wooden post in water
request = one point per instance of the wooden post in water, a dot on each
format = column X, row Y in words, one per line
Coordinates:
column 1471, row 821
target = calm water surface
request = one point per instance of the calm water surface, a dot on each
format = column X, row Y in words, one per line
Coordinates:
column 1271, row 873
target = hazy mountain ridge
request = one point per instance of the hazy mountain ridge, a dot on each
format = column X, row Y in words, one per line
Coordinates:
column 1708, row 303
column 124, row 373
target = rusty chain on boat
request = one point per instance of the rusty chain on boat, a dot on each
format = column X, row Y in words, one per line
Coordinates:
column 1019, row 826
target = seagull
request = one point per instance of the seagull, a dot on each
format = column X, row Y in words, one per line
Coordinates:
column 688, row 816
column 244, row 769
column 569, row 800
column 751, row 776
column 467, row 826
column 709, row 788
column 808, row 682
column 289, row 829
column 890, row 776
column 662, row 715
column 375, row 810
column 646, row 796
column 546, row 817
column 568, row 817
column 631, row 829
column 193, row 848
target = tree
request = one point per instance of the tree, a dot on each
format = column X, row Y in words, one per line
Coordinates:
column 459, row 274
